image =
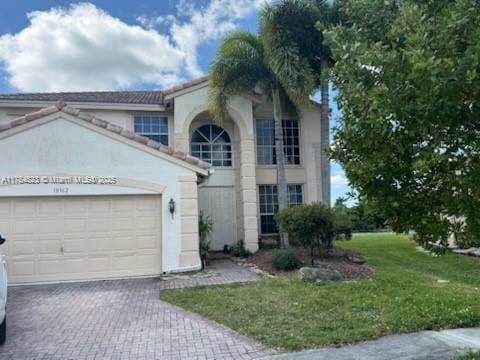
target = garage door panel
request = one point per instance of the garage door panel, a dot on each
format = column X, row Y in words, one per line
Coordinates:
column 75, row 206
column 147, row 241
column 50, row 266
column 5, row 208
column 146, row 261
column 123, row 243
column 123, row 205
column 95, row 244
column 24, row 208
column 123, row 262
column 23, row 247
column 99, row 264
column 22, row 267
column 147, row 222
column 50, row 207
column 75, row 265
column 50, row 246
column 72, row 238
column 123, row 224
column 147, row 205
column 4, row 226
column 73, row 245
column 75, row 225
column 50, row 226
column 96, row 225
column 99, row 205
column 23, row 227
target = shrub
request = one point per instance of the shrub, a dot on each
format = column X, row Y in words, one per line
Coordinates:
column 311, row 225
column 285, row 259
column 205, row 226
column 343, row 223
column 238, row 250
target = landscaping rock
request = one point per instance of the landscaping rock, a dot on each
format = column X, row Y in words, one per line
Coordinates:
column 355, row 258
column 318, row 275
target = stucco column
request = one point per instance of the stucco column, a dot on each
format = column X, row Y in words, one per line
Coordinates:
column 249, row 193
column 189, row 255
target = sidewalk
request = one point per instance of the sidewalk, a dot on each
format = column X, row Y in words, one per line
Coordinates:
column 425, row 345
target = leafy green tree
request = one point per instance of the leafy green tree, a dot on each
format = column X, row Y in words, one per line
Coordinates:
column 274, row 61
column 407, row 73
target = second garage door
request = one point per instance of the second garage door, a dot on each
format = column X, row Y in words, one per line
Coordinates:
column 79, row 238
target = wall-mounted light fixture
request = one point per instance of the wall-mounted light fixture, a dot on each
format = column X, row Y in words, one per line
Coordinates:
column 171, row 206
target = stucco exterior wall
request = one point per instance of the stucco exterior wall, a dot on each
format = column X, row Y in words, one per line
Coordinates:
column 308, row 172
column 189, row 107
column 63, row 147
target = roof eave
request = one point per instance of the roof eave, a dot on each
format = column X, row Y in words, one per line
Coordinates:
column 84, row 105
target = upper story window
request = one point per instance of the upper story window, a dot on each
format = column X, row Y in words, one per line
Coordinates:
column 266, row 154
column 212, row 144
column 153, row 127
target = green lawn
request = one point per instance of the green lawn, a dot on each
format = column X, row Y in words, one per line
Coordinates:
column 403, row 296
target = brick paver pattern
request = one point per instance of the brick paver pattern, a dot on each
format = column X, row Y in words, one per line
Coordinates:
column 120, row 319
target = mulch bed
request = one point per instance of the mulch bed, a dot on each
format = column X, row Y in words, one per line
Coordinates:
column 333, row 259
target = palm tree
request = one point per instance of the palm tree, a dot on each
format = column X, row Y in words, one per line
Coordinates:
column 240, row 65
column 282, row 60
column 293, row 33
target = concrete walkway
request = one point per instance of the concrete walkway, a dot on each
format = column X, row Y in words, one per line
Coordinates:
column 425, row 345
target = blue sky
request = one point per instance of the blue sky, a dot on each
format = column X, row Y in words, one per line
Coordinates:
column 105, row 44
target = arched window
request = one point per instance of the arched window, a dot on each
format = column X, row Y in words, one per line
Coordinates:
column 212, row 144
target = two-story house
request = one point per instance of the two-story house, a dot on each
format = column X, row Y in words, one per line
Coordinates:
column 100, row 185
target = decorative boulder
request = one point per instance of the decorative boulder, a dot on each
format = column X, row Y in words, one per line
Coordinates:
column 355, row 258
column 318, row 275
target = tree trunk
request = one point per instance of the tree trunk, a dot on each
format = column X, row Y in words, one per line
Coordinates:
column 280, row 157
column 325, row 143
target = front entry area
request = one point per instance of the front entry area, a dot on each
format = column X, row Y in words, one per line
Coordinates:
column 81, row 237
column 218, row 202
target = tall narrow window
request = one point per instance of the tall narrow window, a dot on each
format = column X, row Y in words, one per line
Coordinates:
column 212, row 144
column 153, row 127
column 266, row 142
column 268, row 204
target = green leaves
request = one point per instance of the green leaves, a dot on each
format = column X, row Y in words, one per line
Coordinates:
column 407, row 77
column 288, row 52
column 238, row 67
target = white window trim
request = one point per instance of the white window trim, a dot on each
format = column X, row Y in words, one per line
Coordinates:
column 165, row 116
column 230, row 143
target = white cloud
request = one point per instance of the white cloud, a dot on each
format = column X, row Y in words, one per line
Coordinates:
column 203, row 24
column 85, row 48
column 339, row 179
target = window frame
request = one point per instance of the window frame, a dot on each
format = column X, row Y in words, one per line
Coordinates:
column 275, row 206
column 300, row 145
column 210, row 142
column 149, row 135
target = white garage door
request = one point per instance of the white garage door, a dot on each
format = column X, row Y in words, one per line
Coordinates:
column 76, row 238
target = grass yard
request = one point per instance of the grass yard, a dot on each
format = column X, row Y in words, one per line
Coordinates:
column 403, row 296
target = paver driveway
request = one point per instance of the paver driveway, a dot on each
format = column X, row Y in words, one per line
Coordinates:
column 118, row 319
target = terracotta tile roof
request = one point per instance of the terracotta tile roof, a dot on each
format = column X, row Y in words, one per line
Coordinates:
column 61, row 106
column 147, row 97
column 186, row 85
column 111, row 97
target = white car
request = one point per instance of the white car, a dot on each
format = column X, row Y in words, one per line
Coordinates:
column 3, row 296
